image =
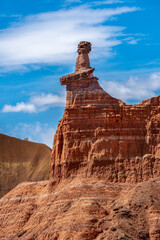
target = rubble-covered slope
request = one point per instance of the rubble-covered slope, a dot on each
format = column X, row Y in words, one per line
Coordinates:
column 81, row 209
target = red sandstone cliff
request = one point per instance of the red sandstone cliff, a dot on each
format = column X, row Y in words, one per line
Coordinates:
column 102, row 136
column 104, row 170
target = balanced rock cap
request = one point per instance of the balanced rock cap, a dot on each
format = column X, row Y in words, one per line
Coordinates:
column 84, row 47
column 83, row 70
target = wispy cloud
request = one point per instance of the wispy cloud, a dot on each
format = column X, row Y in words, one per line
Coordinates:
column 96, row 3
column 36, row 104
column 113, row 1
column 36, row 132
column 52, row 37
column 134, row 88
column 132, row 41
column 108, row 2
column 73, row 1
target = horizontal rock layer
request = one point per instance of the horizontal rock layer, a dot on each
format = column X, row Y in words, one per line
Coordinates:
column 81, row 209
column 102, row 136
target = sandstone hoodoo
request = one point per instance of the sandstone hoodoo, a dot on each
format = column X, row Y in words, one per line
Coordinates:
column 101, row 136
column 104, row 170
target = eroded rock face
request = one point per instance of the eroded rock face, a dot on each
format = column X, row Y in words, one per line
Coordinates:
column 81, row 209
column 102, row 136
column 20, row 161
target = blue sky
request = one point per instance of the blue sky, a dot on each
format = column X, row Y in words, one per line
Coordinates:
column 38, row 41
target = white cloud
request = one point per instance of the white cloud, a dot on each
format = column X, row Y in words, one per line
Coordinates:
column 52, row 37
column 98, row 2
column 36, row 104
column 132, row 41
column 134, row 88
column 73, row 1
column 20, row 107
column 107, row 2
column 36, row 132
column 113, row 1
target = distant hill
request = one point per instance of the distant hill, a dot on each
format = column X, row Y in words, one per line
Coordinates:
column 21, row 160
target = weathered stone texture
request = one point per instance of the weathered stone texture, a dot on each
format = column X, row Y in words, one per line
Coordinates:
column 102, row 136
column 81, row 209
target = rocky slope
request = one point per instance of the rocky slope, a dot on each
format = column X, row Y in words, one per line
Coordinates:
column 82, row 209
column 20, row 161
column 104, row 170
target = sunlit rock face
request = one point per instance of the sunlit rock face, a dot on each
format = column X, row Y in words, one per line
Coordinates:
column 81, row 209
column 101, row 136
column 21, row 160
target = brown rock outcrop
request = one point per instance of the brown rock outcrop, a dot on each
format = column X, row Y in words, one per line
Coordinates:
column 21, row 161
column 102, row 136
column 81, row 209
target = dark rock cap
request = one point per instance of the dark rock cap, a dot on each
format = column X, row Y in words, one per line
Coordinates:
column 84, row 47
